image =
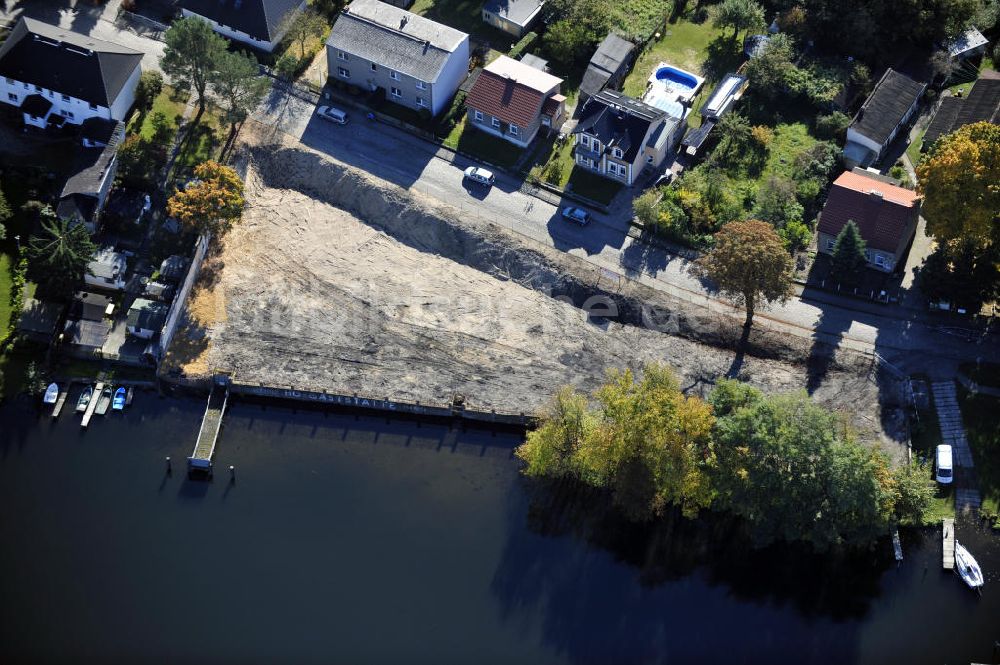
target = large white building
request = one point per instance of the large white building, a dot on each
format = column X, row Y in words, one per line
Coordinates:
column 56, row 76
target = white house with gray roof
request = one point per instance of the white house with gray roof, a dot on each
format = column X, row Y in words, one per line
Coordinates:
column 416, row 62
column 257, row 23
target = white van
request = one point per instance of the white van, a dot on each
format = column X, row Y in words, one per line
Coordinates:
column 942, row 465
column 332, row 114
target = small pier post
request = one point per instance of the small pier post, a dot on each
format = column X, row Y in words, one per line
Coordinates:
column 169, row 469
column 948, row 543
column 63, row 394
column 89, row 413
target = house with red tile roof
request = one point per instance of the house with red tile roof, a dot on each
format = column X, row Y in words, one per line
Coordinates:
column 513, row 100
column 885, row 213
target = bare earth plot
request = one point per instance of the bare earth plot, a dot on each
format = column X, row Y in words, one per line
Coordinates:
column 337, row 281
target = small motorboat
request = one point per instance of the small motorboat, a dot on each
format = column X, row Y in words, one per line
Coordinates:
column 128, row 397
column 81, row 404
column 967, row 567
column 51, row 394
column 103, row 401
column 119, row 402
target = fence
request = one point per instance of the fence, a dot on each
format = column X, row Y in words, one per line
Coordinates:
column 141, row 25
column 178, row 305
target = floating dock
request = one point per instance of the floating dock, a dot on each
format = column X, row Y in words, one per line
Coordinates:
column 200, row 461
column 89, row 413
column 63, row 394
column 948, row 543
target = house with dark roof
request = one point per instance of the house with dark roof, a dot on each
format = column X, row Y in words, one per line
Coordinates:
column 878, row 121
column 608, row 67
column 85, row 337
column 515, row 17
column 886, row 216
column 90, row 306
column 55, row 76
column 414, row 61
column 39, row 319
column 86, row 191
column 513, row 100
column 257, row 23
column 982, row 104
column 106, row 270
column 619, row 137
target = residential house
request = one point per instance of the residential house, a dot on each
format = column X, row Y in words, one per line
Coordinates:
column 513, row 100
column 86, row 337
column 107, row 270
column 619, row 137
column 886, row 216
column 55, row 76
column 608, row 67
column 146, row 318
column 90, row 306
column 257, row 23
column 414, row 61
column 39, row 319
column 982, row 104
column 515, row 17
column 86, row 191
column 879, row 120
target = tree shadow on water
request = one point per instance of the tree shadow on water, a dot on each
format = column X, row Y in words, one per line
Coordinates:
column 613, row 591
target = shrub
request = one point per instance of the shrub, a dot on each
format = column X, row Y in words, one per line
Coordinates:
column 523, row 45
column 796, row 235
column 287, row 65
column 554, row 172
column 646, row 207
column 832, row 126
column 150, row 86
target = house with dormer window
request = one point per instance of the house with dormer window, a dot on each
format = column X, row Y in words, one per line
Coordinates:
column 57, row 77
column 257, row 23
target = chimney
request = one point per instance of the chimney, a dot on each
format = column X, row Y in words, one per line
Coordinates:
column 402, row 22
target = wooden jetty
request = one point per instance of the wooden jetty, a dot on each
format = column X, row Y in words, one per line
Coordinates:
column 63, row 394
column 948, row 543
column 89, row 413
column 200, row 461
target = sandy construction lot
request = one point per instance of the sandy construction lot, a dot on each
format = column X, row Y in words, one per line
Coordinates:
column 336, row 281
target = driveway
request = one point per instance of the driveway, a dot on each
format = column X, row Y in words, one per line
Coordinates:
column 84, row 17
column 417, row 165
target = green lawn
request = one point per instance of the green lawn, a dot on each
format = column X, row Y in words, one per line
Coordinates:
column 789, row 140
column 484, row 146
column 925, row 435
column 168, row 102
column 699, row 48
column 6, row 264
column 913, row 150
column 981, row 416
column 638, row 18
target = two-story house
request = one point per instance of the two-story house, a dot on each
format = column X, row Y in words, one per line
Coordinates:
column 885, row 213
column 878, row 121
column 513, row 100
column 619, row 137
column 55, row 76
column 257, row 23
column 86, row 190
column 416, row 62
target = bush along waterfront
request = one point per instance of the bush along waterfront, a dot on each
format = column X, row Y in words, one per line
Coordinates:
column 788, row 468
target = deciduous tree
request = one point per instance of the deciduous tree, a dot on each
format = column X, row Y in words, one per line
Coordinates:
column 191, row 56
column 959, row 179
column 739, row 15
column 302, row 26
column 212, row 203
column 749, row 264
column 848, row 257
column 150, row 86
column 60, row 254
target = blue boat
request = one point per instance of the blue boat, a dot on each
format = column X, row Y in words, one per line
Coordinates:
column 119, row 402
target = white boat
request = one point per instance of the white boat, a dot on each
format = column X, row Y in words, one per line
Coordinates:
column 81, row 404
column 51, row 394
column 967, row 567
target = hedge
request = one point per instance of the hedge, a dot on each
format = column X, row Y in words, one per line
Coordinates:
column 526, row 43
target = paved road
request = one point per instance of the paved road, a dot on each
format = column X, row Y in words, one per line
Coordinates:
column 84, row 17
column 414, row 164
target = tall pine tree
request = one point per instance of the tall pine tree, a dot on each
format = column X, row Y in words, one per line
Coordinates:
column 849, row 253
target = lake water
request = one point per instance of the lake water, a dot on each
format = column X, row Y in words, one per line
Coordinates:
column 363, row 540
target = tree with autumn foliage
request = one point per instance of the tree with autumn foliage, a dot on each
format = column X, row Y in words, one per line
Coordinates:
column 212, row 202
column 749, row 264
column 645, row 442
column 960, row 181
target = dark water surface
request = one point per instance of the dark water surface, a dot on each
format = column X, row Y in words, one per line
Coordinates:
column 362, row 540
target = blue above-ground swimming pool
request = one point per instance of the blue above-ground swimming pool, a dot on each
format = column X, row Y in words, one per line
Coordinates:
column 676, row 78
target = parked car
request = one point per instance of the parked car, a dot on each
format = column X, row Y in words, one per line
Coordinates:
column 576, row 215
column 942, row 465
column 332, row 114
column 482, row 176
